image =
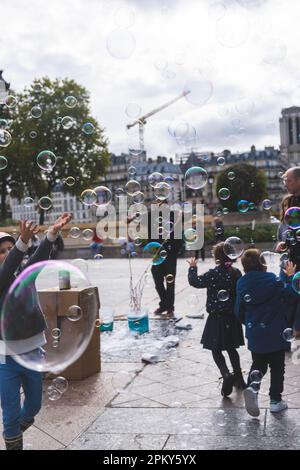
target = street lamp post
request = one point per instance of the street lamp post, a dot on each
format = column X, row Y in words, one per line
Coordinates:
column 4, row 91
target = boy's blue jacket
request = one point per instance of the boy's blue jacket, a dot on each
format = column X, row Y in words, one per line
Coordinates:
column 265, row 314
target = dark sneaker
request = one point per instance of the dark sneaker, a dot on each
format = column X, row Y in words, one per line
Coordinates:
column 251, row 401
column 227, row 386
column 14, row 443
column 238, row 381
column 159, row 311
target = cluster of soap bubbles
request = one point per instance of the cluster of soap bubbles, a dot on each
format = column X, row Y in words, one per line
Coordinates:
column 86, row 234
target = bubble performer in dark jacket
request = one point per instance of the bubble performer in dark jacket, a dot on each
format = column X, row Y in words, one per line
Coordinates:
column 13, row 376
column 222, row 331
column 262, row 304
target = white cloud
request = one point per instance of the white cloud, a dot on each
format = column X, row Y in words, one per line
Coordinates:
column 247, row 49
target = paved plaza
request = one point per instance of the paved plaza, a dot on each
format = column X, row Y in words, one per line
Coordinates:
column 174, row 404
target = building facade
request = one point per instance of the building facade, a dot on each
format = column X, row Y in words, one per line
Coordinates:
column 290, row 134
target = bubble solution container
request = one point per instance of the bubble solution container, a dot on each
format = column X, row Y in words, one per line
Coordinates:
column 64, row 280
column 138, row 321
column 107, row 319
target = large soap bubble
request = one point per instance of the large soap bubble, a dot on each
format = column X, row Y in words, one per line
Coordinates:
column 292, row 217
column 154, row 251
column 5, row 138
column 196, row 177
column 36, row 323
column 233, row 247
column 120, row 43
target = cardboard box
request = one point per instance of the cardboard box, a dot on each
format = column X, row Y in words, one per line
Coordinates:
column 55, row 305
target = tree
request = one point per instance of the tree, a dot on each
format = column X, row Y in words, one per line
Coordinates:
column 37, row 124
column 248, row 184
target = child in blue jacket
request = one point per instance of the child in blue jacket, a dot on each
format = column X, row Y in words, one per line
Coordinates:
column 13, row 376
column 262, row 305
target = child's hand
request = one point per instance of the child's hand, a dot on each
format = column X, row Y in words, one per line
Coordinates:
column 192, row 262
column 27, row 230
column 63, row 220
column 290, row 268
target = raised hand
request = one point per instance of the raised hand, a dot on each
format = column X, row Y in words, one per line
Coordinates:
column 192, row 262
column 290, row 268
column 63, row 220
column 27, row 230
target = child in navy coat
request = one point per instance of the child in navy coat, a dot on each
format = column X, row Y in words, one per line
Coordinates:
column 262, row 304
column 222, row 331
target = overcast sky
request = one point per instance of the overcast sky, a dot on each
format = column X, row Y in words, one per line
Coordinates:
column 239, row 59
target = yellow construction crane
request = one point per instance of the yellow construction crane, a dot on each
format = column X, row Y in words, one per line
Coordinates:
column 142, row 120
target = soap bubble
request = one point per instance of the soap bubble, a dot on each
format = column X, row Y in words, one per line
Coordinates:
column 124, row 17
column 131, row 171
column 53, row 393
column 3, row 163
column 132, row 187
column 33, row 134
column 36, row 112
column 61, row 384
column 87, row 234
column 75, row 232
column 223, row 295
column 269, row 259
column 247, row 298
column 69, row 181
column 71, row 101
column 196, row 178
column 233, row 247
column 198, row 90
column 170, row 278
column 296, row 282
column 120, row 43
column 231, row 175
column 4, row 124
column 256, row 376
column 28, row 202
column 288, row 335
column 45, row 203
column 292, row 217
column 29, row 337
column 11, row 101
column 138, row 198
column 225, row 210
column 163, row 254
column 193, row 300
column 88, row 197
column 119, row 192
column 153, row 250
column 98, row 257
column 67, row 122
column 232, row 30
column 221, row 161
column 46, row 160
column 224, row 194
column 5, row 138
column 162, row 191
column 243, row 205
column 155, row 178
column 56, row 333
column 133, row 110
column 190, row 235
column 74, row 313
column 88, row 128
column 104, row 196
column 267, row 204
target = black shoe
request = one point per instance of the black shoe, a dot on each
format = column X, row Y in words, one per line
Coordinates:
column 14, row 443
column 159, row 311
column 238, row 380
column 25, row 426
column 227, row 386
